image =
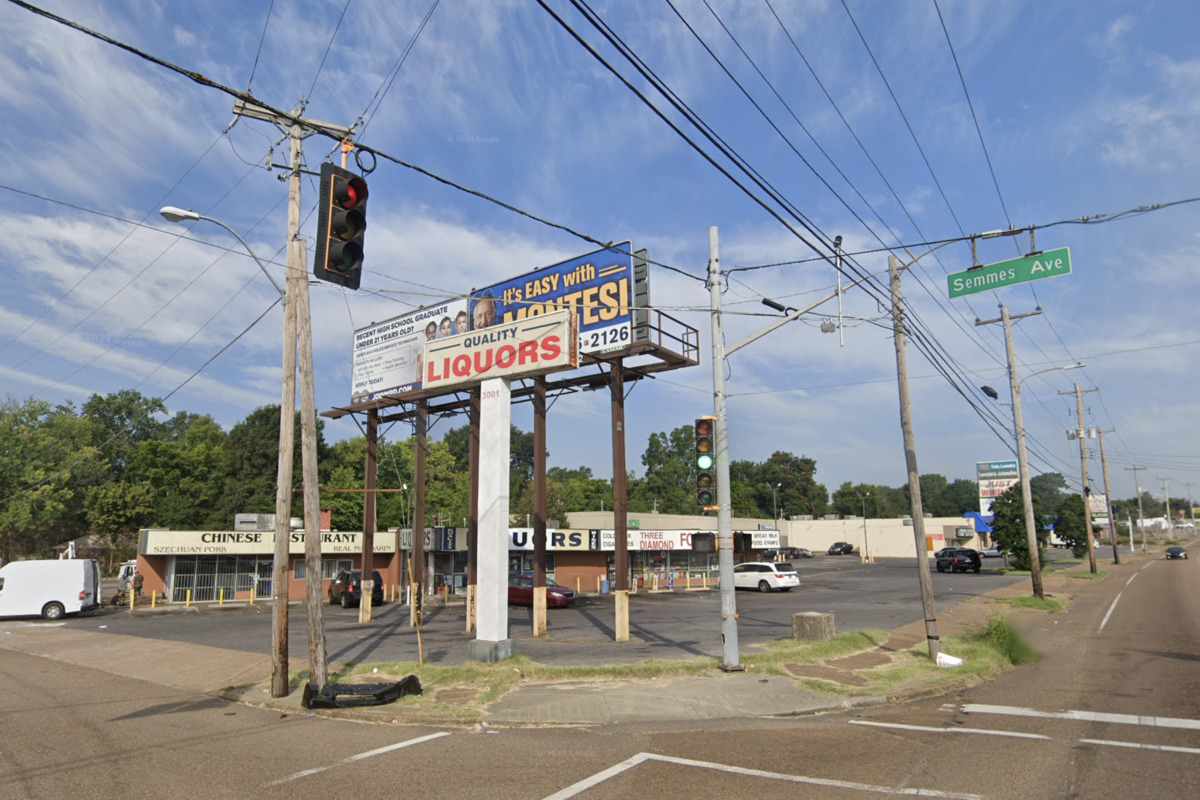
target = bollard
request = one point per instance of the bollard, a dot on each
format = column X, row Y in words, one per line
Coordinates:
column 188, row 603
column 154, row 599
column 597, row 584
column 221, row 596
column 252, row 592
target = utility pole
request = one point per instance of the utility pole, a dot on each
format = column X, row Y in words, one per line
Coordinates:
column 1167, row 508
column 1112, row 520
column 297, row 351
column 866, row 541
column 1035, row 560
column 910, row 458
column 1141, row 514
column 729, row 632
column 1081, row 434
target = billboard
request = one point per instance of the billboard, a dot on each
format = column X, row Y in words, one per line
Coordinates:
column 387, row 355
column 531, row 346
column 995, row 478
column 598, row 285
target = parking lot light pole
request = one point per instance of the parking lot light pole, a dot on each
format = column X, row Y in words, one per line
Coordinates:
column 866, row 541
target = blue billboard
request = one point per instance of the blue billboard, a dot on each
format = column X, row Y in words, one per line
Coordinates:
column 599, row 286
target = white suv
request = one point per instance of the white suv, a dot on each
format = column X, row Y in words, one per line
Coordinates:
column 765, row 576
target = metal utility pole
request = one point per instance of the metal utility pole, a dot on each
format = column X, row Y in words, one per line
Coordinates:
column 1167, row 506
column 910, row 458
column 1087, row 514
column 866, row 541
column 1014, row 385
column 1112, row 520
column 729, row 632
column 1141, row 514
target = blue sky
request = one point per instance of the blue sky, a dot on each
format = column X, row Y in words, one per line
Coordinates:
column 1084, row 109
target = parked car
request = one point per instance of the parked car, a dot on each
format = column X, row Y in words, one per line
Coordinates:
column 1176, row 552
column 841, row 549
column 520, row 593
column 993, row 552
column 346, row 589
column 798, row 552
column 959, row 559
column 765, row 576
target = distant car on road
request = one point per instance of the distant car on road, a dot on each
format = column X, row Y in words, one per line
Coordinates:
column 840, row 549
column 993, row 552
column 765, row 576
column 959, row 559
column 520, row 593
column 1176, row 552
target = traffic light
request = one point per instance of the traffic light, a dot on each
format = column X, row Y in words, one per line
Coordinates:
column 341, row 223
column 706, row 453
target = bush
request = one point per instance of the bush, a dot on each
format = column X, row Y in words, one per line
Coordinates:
column 997, row 632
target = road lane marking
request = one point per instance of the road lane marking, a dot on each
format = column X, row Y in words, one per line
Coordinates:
column 1142, row 746
column 930, row 729
column 1086, row 716
column 359, row 757
column 641, row 758
column 1111, row 609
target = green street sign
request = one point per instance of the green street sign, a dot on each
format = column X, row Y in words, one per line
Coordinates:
column 1008, row 273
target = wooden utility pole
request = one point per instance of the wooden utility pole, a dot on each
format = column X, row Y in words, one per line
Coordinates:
column 616, row 385
column 370, row 470
column 1112, row 520
column 281, row 567
column 910, row 459
column 1035, row 559
column 417, row 578
column 1141, row 514
column 1087, row 514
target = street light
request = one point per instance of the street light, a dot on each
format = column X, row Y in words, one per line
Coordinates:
column 775, row 505
column 175, row 214
column 283, row 474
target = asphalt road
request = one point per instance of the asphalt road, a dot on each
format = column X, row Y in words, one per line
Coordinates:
column 861, row 596
column 1112, row 712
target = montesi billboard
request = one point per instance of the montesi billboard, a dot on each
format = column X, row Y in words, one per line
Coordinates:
column 599, row 286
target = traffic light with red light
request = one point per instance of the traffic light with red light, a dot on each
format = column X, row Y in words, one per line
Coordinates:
column 706, row 454
column 341, row 223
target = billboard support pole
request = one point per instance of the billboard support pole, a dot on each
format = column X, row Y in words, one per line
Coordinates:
column 616, row 384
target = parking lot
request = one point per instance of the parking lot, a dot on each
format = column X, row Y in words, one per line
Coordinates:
column 675, row 624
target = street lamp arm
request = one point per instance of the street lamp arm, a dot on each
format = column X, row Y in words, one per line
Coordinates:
column 1051, row 369
column 174, row 214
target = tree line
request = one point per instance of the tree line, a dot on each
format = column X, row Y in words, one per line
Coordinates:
column 121, row 462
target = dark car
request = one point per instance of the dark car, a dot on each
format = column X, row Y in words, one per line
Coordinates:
column 959, row 559
column 520, row 593
column 346, row 589
column 841, row 549
column 795, row 552
column 1176, row 552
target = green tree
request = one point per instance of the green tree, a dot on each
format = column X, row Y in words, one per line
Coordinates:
column 670, row 474
column 184, row 472
column 799, row 493
column 47, row 463
column 122, row 420
column 1008, row 524
column 116, row 511
column 1047, row 489
column 1070, row 525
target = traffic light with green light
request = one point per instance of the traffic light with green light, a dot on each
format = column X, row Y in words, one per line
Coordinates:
column 341, row 223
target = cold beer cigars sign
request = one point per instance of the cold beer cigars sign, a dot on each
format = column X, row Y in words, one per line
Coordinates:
column 532, row 346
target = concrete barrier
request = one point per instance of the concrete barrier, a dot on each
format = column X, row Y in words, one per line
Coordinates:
column 812, row 625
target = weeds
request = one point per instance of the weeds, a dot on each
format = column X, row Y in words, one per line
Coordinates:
column 999, row 634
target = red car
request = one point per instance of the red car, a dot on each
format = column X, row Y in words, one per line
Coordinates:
column 520, row 593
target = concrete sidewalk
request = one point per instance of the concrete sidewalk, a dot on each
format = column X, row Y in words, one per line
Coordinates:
column 720, row 695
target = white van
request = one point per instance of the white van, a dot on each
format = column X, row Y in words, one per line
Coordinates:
column 50, row 588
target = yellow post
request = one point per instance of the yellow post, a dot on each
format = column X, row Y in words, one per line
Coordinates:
column 221, row 596
column 598, row 579
column 188, row 603
column 154, row 599
column 252, row 584
column 132, row 597
column 578, row 585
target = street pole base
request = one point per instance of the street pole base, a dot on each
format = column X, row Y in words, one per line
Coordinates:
column 732, row 667
column 489, row 652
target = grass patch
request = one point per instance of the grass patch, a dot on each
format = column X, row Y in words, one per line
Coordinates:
column 1048, row 603
column 999, row 635
column 1089, row 576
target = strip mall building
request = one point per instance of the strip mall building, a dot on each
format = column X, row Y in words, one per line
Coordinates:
column 664, row 550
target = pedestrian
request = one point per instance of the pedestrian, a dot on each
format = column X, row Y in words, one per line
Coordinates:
column 138, row 579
